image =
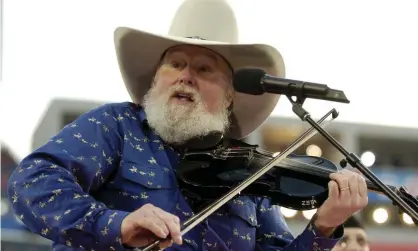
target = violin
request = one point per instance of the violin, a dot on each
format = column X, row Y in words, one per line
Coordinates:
column 211, row 176
column 298, row 182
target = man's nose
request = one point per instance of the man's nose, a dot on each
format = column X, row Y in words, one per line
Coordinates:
column 187, row 77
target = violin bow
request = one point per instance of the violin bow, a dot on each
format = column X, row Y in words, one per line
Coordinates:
column 210, row 209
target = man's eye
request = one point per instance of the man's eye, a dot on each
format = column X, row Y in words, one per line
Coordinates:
column 205, row 69
column 361, row 241
column 175, row 65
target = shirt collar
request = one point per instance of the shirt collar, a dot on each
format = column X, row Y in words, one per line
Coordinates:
column 141, row 115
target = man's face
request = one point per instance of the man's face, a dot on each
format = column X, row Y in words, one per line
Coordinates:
column 355, row 239
column 190, row 96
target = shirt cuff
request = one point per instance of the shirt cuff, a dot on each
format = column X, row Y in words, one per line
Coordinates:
column 108, row 229
column 316, row 241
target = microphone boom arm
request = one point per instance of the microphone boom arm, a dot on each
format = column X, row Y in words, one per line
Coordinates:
column 302, row 89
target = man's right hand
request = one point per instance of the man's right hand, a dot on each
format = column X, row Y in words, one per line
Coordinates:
column 149, row 223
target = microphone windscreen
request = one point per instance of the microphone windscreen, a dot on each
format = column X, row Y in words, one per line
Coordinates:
column 249, row 81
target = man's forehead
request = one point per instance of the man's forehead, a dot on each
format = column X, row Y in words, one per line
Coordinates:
column 192, row 50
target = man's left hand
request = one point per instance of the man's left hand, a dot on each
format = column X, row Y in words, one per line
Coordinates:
column 347, row 195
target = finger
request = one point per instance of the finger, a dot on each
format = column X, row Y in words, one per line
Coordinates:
column 333, row 192
column 361, row 181
column 343, row 185
column 151, row 225
column 340, row 178
column 353, row 184
column 173, row 224
column 166, row 244
column 143, row 240
column 156, row 219
column 176, row 224
column 362, row 187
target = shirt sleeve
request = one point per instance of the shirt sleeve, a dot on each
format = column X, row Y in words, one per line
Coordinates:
column 50, row 189
column 274, row 234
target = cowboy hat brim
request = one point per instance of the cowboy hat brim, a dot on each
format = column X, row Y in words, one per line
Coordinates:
column 138, row 54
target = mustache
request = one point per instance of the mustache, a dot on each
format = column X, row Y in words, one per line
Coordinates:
column 185, row 89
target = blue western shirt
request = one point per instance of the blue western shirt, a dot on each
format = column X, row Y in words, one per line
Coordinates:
column 77, row 188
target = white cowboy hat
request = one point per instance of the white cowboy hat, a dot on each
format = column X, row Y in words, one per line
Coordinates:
column 139, row 52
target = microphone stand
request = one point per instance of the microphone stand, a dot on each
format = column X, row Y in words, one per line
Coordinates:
column 355, row 161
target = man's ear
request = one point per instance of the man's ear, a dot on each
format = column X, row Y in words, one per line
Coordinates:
column 230, row 95
column 231, row 106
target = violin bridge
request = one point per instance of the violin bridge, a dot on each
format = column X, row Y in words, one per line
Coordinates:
column 250, row 156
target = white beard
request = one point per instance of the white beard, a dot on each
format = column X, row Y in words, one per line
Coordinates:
column 177, row 123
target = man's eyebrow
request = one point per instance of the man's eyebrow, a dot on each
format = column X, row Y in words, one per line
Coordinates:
column 360, row 236
column 211, row 55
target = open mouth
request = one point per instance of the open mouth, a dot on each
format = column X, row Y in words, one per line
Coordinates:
column 184, row 96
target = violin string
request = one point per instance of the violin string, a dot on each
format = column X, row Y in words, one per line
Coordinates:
column 259, row 156
column 323, row 170
column 314, row 171
column 318, row 167
column 320, row 170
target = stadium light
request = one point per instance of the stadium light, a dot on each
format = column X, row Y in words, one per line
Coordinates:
column 309, row 213
column 287, row 212
column 380, row 215
column 368, row 158
column 407, row 219
column 4, row 207
column 314, row 150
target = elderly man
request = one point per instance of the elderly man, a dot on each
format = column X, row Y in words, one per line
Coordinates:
column 355, row 237
column 107, row 181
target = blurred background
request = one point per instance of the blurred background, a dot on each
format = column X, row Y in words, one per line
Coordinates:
column 57, row 62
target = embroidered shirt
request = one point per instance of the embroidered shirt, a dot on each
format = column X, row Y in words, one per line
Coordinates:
column 77, row 188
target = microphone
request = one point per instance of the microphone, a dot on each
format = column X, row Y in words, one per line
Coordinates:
column 257, row 82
